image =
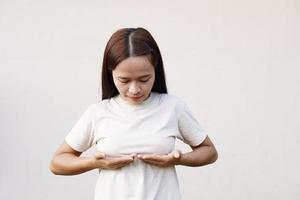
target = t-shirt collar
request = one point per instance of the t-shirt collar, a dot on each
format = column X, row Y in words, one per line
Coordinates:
column 123, row 103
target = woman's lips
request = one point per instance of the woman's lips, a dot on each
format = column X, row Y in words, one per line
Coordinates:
column 135, row 98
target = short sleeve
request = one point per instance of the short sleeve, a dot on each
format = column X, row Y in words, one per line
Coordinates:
column 190, row 129
column 81, row 135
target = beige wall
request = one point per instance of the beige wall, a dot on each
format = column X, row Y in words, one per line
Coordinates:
column 236, row 63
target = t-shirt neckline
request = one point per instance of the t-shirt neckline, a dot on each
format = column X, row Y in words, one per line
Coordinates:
column 126, row 105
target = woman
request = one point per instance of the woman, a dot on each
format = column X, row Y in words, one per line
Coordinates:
column 134, row 127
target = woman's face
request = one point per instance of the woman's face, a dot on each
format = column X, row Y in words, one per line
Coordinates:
column 134, row 77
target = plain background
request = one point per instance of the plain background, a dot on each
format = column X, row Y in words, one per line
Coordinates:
column 236, row 63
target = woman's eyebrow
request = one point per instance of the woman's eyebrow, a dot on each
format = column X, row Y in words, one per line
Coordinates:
column 138, row 77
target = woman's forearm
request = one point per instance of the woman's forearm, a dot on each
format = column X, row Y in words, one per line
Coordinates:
column 200, row 156
column 69, row 164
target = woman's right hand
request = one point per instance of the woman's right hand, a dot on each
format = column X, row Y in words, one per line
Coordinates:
column 102, row 161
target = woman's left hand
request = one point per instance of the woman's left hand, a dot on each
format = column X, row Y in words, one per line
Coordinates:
column 161, row 160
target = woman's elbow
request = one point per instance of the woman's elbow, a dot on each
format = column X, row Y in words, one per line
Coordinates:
column 52, row 167
column 214, row 156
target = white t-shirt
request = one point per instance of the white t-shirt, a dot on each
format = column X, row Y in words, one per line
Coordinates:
column 117, row 127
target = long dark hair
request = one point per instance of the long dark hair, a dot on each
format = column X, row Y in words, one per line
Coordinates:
column 125, row 43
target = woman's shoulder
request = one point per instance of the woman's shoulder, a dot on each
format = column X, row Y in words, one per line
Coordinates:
column 98, row 107
column 172, row 99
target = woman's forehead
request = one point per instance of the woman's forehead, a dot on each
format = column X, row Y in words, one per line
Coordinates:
column 134, row 66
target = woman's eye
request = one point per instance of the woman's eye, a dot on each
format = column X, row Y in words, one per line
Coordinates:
column 123, row 80
column 143, row 81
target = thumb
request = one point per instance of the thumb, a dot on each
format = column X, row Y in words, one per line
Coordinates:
column 176, row 153
column 99, row 155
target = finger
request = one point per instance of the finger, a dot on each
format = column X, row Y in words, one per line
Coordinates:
column 127, row 163
column 146, row 156
column 152, row 162
column 127, row 156
column 176, row 154
column 158, row 158
column 99, row 155
column 121, row 164
column 121, row 160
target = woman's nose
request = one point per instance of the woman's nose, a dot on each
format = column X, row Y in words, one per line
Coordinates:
column 134, row 88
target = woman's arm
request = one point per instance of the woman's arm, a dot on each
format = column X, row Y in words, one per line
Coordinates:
column 67, row 161
column 203, row 154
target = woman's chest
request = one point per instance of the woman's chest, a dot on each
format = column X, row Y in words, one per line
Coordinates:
column 144, row 134
column 118, row 145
